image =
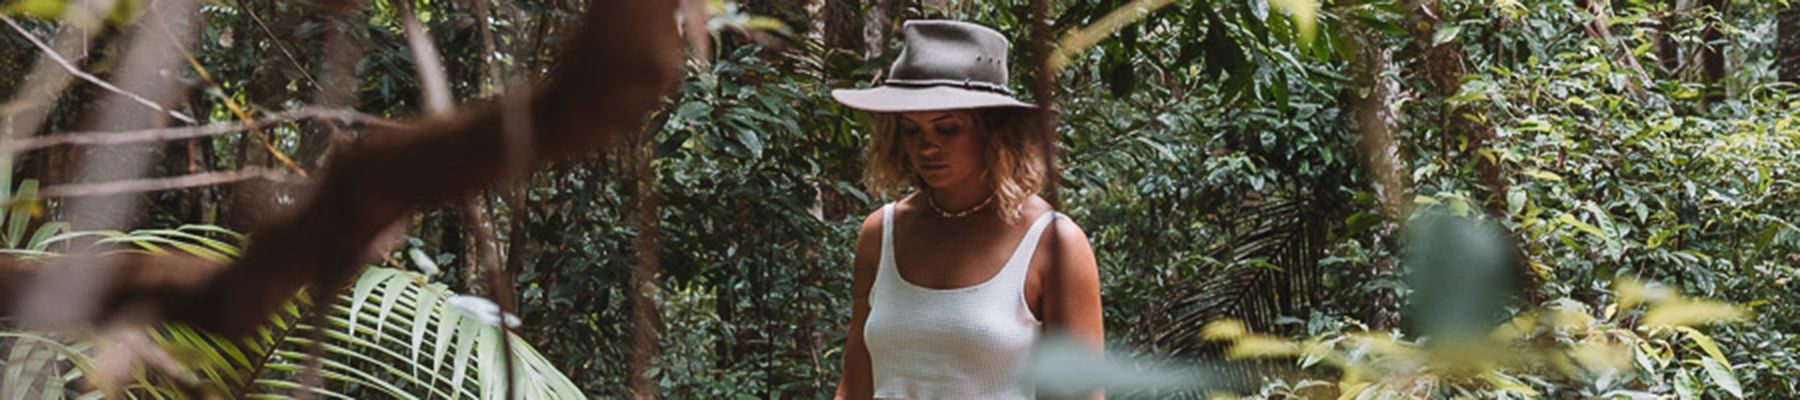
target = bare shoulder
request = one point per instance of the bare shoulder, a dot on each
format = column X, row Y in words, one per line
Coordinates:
column 868, row 250
column 871, row 226
column 1069, row 234
column 1067, row 244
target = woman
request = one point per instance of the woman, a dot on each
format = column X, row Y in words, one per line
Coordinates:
column 957, row 282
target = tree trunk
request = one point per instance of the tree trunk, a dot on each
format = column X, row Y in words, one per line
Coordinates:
column 337, row 88
column 1712, row 54
column 843, row 25
column 1443, row 70
column 1787, row 47
column 1668, row 51
column 881, row 18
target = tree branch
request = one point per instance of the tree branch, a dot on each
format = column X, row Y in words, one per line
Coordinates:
column 187, row 132
column 614, row 71
column 73, row 70
column 159, row 184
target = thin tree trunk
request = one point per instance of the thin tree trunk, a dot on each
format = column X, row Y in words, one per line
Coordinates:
column 1667, row 49
column 1787, row 47
column 1712, row 54
column 338, row 85
column 842, row 27
column 881, row 18
column 1443, row 68
column 646, row 315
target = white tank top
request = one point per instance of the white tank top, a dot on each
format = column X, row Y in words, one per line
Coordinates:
column 963, row 343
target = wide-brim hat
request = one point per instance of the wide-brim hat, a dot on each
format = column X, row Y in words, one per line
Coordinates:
column 944, row 65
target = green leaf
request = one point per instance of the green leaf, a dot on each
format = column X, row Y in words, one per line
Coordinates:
column 21, row 208
column 47, row 9
column 1686, row 387
column 1543, row 175
column 1515, row 200
column 1569, row 219
column 1445, row 34
column 1705, row 342
column 1723, row 377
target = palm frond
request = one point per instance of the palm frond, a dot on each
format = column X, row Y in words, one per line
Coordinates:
column 392, row 334
column 1269, row 268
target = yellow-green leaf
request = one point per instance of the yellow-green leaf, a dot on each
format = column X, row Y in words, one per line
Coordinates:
column 36, row 8
column 1569, row 219
column 1258, row 346
column 1544, row 175
column 1705, row 342
column 1687, row 312
column 1225, row 329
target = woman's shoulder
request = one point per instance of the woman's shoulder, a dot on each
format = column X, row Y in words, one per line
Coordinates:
column 871, row 225
column 1063, row 235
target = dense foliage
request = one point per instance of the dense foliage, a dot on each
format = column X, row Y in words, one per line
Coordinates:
column 1217, row 153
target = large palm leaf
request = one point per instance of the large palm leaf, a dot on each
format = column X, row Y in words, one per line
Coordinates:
column 1267, row 269
column 392, row 334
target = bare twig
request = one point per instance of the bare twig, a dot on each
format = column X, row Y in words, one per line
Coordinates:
column 232, row 105
column 425, row 59
column 1043, row 91
column 64, row 62
column 276, row 40
column 596, row 101
column 159, row 184
column 477, row 226
column 76, row 293
column 1602, row 30
column 495, row 78
column 26, row 111
column 515, row 125
column 187, row 132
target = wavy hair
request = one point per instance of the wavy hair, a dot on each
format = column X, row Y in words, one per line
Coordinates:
column 1016, row 157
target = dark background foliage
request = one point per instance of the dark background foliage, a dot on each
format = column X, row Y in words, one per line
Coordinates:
column 1210, row 150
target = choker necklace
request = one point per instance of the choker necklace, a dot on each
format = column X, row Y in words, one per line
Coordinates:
column 959, row 214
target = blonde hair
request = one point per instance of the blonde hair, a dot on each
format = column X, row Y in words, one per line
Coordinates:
column 1016, row 157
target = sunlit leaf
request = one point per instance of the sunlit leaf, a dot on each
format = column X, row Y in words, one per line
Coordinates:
column 1225, row 329
column 1261, row 346
column 1723, row 377
column 1688, row 312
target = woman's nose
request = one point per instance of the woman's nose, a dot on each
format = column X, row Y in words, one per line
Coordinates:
column 928, row 143
column 927, row 148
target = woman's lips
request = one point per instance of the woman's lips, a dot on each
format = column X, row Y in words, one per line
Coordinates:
column 933, row 167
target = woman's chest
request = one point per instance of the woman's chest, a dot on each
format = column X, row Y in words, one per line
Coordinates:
column 950, row 259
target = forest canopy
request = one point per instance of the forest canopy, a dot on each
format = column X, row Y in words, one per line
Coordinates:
column 570, row 199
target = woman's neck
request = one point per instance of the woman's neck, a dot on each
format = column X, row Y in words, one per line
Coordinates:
column 954, row 199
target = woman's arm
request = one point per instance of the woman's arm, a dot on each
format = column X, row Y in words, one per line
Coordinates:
column 857, row 383
column 1071, row 295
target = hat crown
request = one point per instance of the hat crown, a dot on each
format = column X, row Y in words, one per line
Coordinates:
column 951, row 53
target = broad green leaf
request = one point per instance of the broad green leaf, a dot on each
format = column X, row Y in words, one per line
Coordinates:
column 1723, row 377
column 1705, row 342
column 1686, row 386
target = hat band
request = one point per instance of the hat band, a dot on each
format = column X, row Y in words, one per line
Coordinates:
column 966, row 84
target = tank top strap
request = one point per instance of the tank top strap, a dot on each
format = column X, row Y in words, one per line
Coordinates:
column 888, row 236
column 1021, row 256
column 887, row 229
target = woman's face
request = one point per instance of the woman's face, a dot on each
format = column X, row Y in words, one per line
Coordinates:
column 946, row 148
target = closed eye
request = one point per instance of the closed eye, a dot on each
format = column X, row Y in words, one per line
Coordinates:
column 909, row 129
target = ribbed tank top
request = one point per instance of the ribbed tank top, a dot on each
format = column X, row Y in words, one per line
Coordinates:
column 963, row 343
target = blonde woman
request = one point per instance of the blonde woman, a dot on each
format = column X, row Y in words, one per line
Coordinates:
column 957, row 282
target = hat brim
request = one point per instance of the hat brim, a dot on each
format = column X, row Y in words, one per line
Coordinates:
column 932, row 98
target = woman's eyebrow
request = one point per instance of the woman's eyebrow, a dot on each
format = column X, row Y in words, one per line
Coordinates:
column 943, row 117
